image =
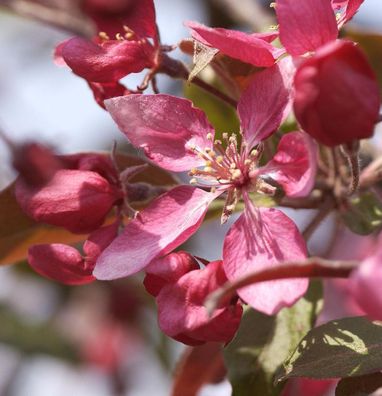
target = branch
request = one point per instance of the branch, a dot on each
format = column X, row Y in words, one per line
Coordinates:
column 313, row 267
column 53, row 16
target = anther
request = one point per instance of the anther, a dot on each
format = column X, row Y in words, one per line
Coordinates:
column 225, row 136
column 119, row 37
column 247, row 162
column 219, row 159
column 209, row 136
column 236, row 174
column 208, row 169
column 193, row 181
column 273, row 4
column 193, row 172
column 103, row 36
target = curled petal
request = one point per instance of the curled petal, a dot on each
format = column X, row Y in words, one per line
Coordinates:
column 294, row 164
column 165, row 126
column 61, row 263
column 98, row 241
column 164, row 225
column 336, row 94
column 265, row 103
column 258, row 239
column 108, row 62
column 76, row 200
column 250, row 48
column 305, row 25
column 168, row 269
column 182, row 314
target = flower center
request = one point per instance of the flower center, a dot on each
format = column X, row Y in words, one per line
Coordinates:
column 225, row 167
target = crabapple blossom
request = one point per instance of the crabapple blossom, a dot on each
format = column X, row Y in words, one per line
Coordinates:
column 178, row 137
column 336, row 92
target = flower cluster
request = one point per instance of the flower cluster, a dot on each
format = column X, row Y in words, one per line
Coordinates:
column 335, row 99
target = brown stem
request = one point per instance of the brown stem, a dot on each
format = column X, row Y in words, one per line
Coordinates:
column 313, row 267
column 214, row 91
column 56, row 17
column 311, row 202
column 327, row 206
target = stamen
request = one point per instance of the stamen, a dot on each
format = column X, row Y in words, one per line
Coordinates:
column 209, row 136
column 103, row 36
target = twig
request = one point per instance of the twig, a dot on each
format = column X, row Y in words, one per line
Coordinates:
column 323, row 211
column 52, row 16
column 313, row 267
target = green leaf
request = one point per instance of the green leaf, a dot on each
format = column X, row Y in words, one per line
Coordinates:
column 263, row 342
column 364, row 214
column 359, row 386
column 222, row 116
column 341, row 348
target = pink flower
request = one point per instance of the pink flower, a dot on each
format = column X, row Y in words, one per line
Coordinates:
column 73, row 199
column 127, row 43
column 336, row 83
column 180, row 298
column 65, row 264
column 178, row 137
column 252, row 48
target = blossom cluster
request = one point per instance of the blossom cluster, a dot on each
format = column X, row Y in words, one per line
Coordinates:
column 302, row 69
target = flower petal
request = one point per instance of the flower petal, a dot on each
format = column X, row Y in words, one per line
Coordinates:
column 61, row 263
column 168, row 269
column 103, row 91
column 366, row 285
column 169, row 221
column 294, row 164
column 181, row 310
column 108, row 62
column 111, row 16
column 261, row 238
column 345, row 10
column 305, row 25
column 250, row 48
column 336, row 94
column 265, row 103
column 76, row 200
column 164, row 126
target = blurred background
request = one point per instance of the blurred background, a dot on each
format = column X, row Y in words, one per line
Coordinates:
column 101, row 339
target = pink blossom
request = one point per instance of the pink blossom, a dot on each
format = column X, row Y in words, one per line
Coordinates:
column 73, row 199
column 65, row 264
column 127, row 43
column 180, row 299
column 177, row 136
column 336, row 92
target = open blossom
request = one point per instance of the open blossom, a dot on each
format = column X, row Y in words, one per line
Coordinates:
column 337, row 97
column 180, row 287
column 127, row 43
column 178, row 137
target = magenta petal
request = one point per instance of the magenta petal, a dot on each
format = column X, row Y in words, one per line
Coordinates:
column 250, row 48
column 107, row 62
column 337, row 96
column 74, row 199
column 305, row 25
column 169, row 221
column 165, row 126
column 264, row 104
column 168, row 269
column 61, row 263
column 294, row 164
column 181, row 310
column 366, row 284
column 99, row 240
column 259, row 239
